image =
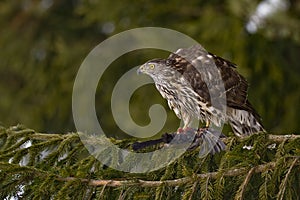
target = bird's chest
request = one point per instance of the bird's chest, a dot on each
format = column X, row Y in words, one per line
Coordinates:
column 171, row 95
column 181, row 98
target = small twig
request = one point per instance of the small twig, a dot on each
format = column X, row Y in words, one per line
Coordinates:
column 102, row 191
column 283, row 184
column 193, row 190
column 241, row 191
column 281, row 138
column 206, row 186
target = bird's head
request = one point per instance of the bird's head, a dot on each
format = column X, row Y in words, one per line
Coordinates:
column 153, row 68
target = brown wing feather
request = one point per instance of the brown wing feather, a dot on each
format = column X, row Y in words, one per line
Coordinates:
column 235, row 85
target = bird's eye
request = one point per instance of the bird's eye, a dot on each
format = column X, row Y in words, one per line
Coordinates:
column 151, row 66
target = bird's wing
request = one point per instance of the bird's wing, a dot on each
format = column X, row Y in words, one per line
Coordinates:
column 199, row 68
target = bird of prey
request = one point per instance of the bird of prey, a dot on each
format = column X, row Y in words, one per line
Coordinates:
column 194, row 82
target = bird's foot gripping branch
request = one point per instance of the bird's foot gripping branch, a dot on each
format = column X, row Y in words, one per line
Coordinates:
column 205, row 138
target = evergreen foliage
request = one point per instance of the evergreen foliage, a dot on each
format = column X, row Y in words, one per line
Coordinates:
column 57, row 166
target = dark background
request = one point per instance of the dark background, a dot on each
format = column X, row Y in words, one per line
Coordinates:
column 44, row 42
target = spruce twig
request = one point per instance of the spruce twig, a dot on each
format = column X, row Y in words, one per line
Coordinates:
column 284, row 182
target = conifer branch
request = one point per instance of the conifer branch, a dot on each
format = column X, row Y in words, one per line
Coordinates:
column 46, row 136
column 177, row 182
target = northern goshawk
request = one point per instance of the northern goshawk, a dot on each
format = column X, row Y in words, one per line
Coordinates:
column 194, row 82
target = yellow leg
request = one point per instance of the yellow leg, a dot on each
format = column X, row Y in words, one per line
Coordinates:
column 207, row 123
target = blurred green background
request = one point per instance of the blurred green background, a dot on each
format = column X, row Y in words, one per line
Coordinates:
column 43, row 43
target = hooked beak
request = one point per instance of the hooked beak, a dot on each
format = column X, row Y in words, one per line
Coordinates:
column 140, row 70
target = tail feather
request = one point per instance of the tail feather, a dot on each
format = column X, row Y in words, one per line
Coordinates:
column 244, row 122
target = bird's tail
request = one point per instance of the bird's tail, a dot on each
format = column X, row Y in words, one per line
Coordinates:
column 245, row 122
